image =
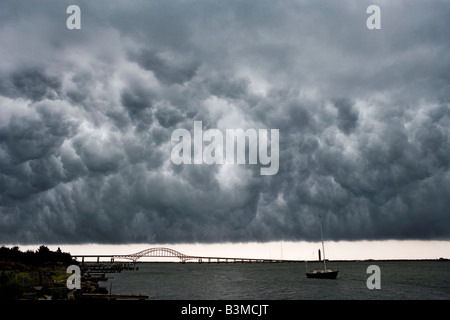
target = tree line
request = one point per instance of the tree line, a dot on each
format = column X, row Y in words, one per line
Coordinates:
column 42, row 256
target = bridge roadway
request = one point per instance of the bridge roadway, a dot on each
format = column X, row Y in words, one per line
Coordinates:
column 170, row 253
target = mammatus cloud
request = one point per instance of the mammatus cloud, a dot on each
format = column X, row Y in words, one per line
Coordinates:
column 87, row 117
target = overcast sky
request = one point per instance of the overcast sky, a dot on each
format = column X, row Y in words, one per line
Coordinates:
column 87, row 116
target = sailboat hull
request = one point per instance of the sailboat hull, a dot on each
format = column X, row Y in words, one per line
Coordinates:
column 323, row 274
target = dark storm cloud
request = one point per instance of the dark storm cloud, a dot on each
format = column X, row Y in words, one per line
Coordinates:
column 347, row 117
column 225, row 87
column 87, row 117
column 31, row 84
column 167, row 69
column 33, row 138
column 138, row 102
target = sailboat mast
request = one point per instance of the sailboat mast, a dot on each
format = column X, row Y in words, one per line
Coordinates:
column 323, row 247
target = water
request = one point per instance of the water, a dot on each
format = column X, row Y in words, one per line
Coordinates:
column 283, row 281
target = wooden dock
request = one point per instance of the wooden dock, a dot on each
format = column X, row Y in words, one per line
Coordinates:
column 102, row 268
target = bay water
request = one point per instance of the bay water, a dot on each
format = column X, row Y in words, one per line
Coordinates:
column 402, row 280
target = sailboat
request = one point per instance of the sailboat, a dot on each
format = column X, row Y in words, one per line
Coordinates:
column 322, row 273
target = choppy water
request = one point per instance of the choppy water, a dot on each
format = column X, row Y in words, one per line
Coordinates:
column 283, row 281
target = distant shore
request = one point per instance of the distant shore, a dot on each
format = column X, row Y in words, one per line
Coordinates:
column 286, row 261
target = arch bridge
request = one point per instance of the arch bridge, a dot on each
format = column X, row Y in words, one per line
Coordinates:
column 157, row 253
column 170, row 253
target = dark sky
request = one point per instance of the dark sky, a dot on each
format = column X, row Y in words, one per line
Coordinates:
column 87, row 116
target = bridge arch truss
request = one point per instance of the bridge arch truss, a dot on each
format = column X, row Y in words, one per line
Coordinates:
column 156, row 253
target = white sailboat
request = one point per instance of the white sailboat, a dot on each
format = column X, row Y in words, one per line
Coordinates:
column 324, row 273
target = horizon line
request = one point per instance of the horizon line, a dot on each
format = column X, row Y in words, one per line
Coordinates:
column 301, row 250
